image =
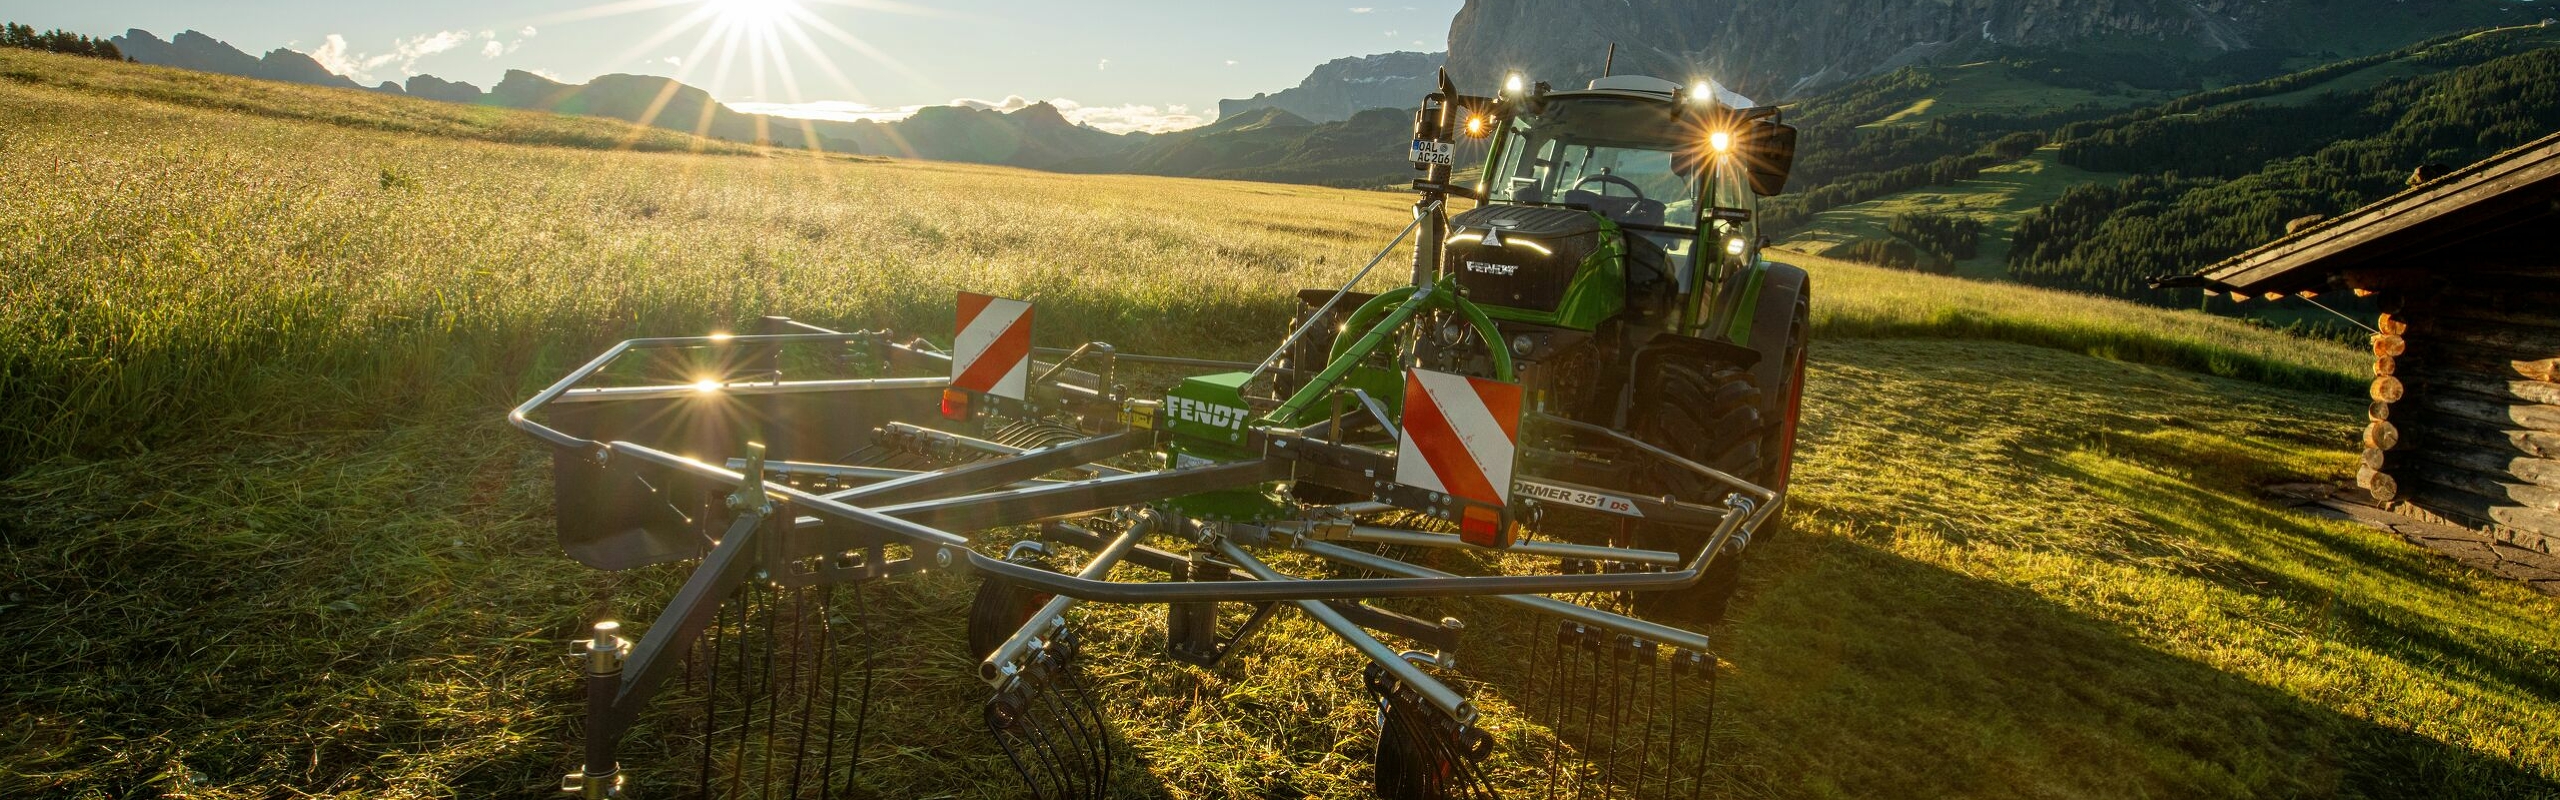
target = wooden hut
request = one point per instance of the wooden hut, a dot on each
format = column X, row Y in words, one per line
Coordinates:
column 2465, row 419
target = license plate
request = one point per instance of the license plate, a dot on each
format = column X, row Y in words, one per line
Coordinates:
column 1429, row 152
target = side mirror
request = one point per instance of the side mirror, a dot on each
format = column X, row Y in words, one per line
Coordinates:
column 1768, row 151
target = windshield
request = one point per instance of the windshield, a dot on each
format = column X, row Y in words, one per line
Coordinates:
column 1624, row 158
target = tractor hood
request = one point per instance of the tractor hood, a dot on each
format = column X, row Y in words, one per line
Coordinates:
column 1521, row 257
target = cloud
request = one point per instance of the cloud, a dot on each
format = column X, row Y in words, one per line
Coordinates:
column 837, row 110
column 674, row 60
column 492, row 49
column 1231, row 62
column 332, row 55
column 1102, row 65
column 427, row 44
column 1011, row 102
column 528, row 31
column 1131, row 117
column 336, row 56
column 1362, row 10
column 1113, row 119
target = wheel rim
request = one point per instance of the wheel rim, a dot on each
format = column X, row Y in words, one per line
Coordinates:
column 1786, row 463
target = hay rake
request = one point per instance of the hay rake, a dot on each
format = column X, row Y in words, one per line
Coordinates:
column 1413, row 445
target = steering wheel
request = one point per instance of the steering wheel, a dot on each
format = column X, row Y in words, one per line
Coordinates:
column 1609, row 179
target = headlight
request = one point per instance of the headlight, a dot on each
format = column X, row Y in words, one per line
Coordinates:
column 1720, row 140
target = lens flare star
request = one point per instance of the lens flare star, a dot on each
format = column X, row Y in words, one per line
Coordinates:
column 762, row 36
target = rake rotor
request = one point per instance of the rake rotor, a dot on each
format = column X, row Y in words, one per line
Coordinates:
column 788, row 496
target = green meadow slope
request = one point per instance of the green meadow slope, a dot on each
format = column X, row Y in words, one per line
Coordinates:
column 264, row 533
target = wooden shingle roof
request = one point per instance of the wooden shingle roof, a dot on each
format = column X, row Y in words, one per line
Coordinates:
column 2399, row 233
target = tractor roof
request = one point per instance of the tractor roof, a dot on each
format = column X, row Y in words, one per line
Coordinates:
column 1646, row 87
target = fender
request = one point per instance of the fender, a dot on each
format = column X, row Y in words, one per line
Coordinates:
column 1764, row 331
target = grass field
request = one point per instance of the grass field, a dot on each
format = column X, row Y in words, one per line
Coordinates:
column 1995, row 87
column 263, row 532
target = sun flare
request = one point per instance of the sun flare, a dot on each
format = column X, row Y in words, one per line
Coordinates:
column 757, row 37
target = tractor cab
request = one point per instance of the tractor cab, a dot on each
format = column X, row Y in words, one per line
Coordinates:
column 1648, row 179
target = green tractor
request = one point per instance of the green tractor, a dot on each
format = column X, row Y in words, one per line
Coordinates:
column 1615, row 251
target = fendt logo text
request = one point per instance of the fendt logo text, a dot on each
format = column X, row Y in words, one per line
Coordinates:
column 1492, row 269
column 1205, row 413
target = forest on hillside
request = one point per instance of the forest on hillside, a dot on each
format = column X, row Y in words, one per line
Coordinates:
column 2204, row 177
column 2210, row 184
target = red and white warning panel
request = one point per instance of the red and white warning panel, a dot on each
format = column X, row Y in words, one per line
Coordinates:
column 1460, row 437
column 992, row 352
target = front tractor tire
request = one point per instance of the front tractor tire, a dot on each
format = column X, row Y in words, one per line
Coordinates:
column 1714, row 415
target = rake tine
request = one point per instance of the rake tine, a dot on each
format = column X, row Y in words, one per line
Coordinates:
column 862, row 709
column 1104, row 757
column 738, row 755
column 1037, row 732
column 998, row 723
column 1064, row 708
column 1555, row 726
column 771, row 691
column 1609, row 753
column 712, row 638
column 835, row 688
column 1652, row 666
column 799, row 643
column 1067, row 730
column 1605, row 716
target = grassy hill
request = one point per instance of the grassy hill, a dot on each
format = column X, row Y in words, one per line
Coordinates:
column 263, row 531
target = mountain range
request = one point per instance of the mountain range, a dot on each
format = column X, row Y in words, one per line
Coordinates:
column 1262, row 140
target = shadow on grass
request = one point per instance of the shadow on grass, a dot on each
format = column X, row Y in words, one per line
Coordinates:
column 1949, row 685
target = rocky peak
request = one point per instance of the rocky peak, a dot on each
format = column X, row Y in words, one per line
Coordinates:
column 1337, row 89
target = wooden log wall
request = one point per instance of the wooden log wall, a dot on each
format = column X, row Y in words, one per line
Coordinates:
column 2465, row 414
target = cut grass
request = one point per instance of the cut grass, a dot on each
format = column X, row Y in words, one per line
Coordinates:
column 267, row 534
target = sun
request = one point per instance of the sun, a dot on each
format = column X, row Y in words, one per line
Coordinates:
column 752, row 14
column 758, row 36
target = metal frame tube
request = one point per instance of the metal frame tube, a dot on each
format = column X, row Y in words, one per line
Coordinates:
column 997, row 666
column 1432, row 690
column 1583, row 614
column 1589, row 552
column 950, row 550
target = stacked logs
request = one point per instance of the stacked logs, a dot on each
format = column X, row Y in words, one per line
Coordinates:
column 2465, row 418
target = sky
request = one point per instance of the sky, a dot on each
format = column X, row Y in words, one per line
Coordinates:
column 1119, row 65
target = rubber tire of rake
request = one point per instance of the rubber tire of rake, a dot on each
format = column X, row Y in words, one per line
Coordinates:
column 1000, row 608
column 1714, row 415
